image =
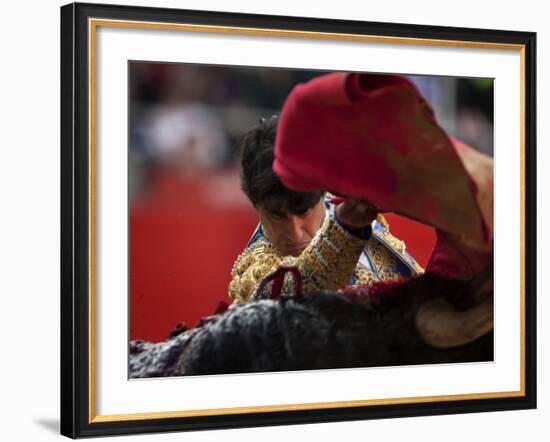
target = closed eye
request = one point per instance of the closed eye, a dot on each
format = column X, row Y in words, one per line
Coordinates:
column 304, row 213
column 277, row 216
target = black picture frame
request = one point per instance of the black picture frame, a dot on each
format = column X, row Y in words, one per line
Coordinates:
column 77, row 414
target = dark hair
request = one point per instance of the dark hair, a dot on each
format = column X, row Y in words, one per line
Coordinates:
column 258, row 180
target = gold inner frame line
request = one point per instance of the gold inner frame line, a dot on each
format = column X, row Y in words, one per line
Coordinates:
column 299, row 34
column 93, row 23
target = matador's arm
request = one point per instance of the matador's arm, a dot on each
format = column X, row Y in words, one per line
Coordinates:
column 328, row 262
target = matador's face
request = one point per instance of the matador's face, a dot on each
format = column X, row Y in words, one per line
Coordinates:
column 291, row 233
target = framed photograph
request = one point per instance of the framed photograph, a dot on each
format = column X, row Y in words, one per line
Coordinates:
column 272, row 220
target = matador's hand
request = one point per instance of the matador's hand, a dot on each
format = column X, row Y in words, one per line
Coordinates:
column 356, row 213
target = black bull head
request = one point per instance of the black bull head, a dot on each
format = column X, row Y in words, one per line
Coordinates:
column 424, row 320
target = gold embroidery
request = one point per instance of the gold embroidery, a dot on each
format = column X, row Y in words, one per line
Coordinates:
column 383, row 222
column 364, row 275
column 396, row 245
column 383, row 260
column 328, row 262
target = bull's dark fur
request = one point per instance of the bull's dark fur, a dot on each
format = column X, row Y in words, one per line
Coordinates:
column 316, row 331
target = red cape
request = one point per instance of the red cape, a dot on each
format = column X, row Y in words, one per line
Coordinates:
column 375, row 137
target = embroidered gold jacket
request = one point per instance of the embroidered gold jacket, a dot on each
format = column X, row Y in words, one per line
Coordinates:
column 332, row 260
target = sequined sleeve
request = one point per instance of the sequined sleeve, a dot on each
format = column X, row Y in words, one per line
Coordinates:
column 328, row 262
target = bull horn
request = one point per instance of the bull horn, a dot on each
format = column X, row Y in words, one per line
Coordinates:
column 442, row 326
